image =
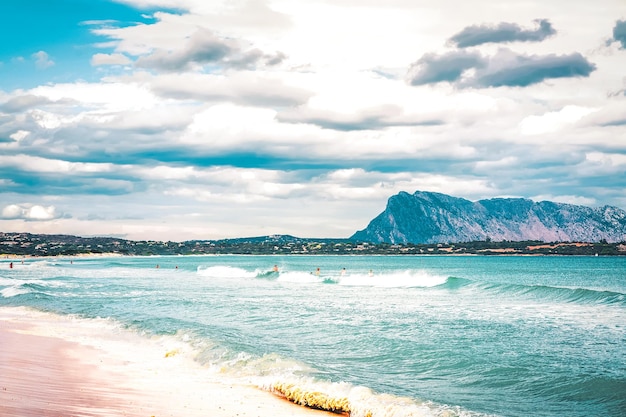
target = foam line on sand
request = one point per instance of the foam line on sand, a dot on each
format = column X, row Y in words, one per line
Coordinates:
column 61, row 366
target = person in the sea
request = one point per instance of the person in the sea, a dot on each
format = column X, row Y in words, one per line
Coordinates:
column 371, row 274
column 275, row 269
column 317, row 272
column 343, row 271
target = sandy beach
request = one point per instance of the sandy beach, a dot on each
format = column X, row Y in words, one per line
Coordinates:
column 61, row 366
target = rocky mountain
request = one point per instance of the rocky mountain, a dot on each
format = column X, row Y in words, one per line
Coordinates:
column 426, row 217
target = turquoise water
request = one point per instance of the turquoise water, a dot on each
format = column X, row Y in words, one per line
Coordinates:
column 426, row 335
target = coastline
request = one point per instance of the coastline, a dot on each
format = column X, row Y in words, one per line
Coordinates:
column 16, row 245
column 13, row 256
column 62, row 366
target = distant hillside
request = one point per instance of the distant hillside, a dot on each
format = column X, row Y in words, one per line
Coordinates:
column 27, row 244
column 18, row 245
column 426, row 217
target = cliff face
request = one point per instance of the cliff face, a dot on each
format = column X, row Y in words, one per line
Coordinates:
column 426, row 217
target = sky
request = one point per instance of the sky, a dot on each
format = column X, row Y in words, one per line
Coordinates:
column 195, row 119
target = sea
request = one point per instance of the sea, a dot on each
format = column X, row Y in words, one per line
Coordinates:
column 514, row 336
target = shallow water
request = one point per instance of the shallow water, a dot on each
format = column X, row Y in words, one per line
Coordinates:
column 425, row 335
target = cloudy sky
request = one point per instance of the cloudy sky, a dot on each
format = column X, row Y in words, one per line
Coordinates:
column 207, row 119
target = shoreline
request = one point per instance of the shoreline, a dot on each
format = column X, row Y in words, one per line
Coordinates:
column 54, row 365
column 11, row 257
column 75, row 255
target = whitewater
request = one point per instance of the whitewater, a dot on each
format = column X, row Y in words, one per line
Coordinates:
column 395, row 335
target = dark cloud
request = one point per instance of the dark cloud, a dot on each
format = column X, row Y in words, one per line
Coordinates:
column 433, row 68
column 21, row 103
column 276, row 59
column 258, row 158
column 106, row 143
column 28, row 182
column 503, row 69
column 522, row 71
column 201, row 48
column 369, row 119
column 503, row 32
column 617, row 122
column 206, row 48
column 619, row 32
column 617, row 93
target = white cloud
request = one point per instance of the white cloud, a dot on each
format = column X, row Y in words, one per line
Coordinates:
column 248, row 185
column 31, row 212
column 597, row 164
column 566, row 199
column 19, row 135
column 42, row 60
column 270, row 89
column 47, row 120
column 233, row 127
column 553, row 121
column 332, row 125
column 110, row 59
column 46, row 165
column 489, row 166
column 105, row 96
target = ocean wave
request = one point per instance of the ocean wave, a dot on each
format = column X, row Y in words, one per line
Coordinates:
column 306, row 386
column 453, row 283
column 16, row 287
column 301, row 277
column 268, row 372
column 36, row 264
column 28, row 291
column 389, row 279
column 11, row 281
column 394, row 279
column 420, row 279
column 268, row 274
column 397, row 279
column 13, row 291
column 225, row 271
column 558, row 294
column 356, row 401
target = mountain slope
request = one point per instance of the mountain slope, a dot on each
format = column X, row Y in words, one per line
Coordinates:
column 426, row 217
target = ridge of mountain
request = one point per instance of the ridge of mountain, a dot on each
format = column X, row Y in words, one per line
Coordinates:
column 429, row 217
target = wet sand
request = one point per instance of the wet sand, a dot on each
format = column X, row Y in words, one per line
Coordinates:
column 63, row 367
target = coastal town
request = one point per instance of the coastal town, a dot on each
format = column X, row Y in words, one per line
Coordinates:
column 31, row 245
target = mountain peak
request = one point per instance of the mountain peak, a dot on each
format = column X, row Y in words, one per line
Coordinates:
column 429, row 217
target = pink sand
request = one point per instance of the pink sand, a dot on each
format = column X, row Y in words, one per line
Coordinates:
column 62, row 367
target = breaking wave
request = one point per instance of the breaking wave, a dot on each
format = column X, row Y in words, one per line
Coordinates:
column 224, row 271
column 555, row 294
